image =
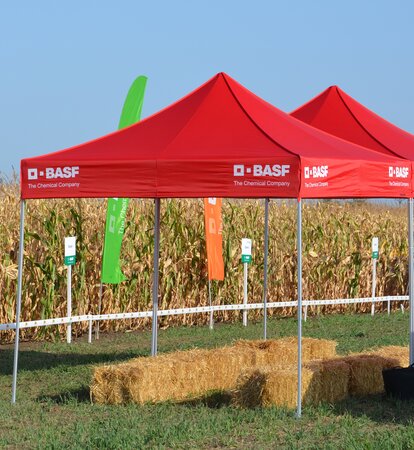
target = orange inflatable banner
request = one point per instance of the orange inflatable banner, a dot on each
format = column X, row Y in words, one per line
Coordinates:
column 214, row 240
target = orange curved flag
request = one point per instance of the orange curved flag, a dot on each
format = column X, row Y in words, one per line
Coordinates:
column 214, row 240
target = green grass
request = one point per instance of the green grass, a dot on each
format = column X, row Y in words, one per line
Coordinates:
column 53, row 408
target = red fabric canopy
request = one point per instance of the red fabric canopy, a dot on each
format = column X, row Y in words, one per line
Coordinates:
column 339, row 114
column 219, row 141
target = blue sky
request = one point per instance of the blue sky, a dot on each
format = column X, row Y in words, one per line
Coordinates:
column 67, row 66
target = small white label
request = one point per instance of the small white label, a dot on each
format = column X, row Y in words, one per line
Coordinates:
column 375, row 244
column 70, row 246
column 246, row 247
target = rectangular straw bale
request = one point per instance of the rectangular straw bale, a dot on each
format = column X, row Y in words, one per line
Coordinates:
column 275, row 352
column 321, row 348
column 322, row 381
column 226, row 364
column 173, row 376
column 111, row 384
column 330, row 381
column 269, row 386
column 366, row 373
column 107, row 386
column 400, row 354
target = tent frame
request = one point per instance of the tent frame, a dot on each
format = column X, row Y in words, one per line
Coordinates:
column 411, row 277
column 153, row 162
column 299, row 312
column 155, row 290
column 155, row 285
column 265, row 265
column 18, row 300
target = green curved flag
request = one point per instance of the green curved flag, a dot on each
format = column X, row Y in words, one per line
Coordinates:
column 131, row 112
column 117, row 207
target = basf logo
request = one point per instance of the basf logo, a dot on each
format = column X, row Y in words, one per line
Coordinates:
column 314, row 174
column 52, row 173
column 398, row 172
column 315, row 171
column 269, row 171
column 49, row 177
column 399, row 176
column 259, row 170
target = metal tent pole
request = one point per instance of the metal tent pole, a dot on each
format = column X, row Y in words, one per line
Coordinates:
column 266, row 251
column 374, row 284
column 299, row 250
column 99, row 310
column 410, row 277
column 155, row 278
column 245, row 293
column 69, row 304
column 211, row 325
column 18, row 301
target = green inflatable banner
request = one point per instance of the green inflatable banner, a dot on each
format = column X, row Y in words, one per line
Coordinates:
column 117, row 207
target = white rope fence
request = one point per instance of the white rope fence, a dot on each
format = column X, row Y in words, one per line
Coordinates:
column 201, row 309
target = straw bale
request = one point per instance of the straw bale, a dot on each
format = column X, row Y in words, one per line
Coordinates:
column 366, row 373
column 275, row 352
column 330, row 381
column 269, row 386
column 174, row 376
column 107, row 385
column 190, row 374
column 400, row 354
column 322, row 381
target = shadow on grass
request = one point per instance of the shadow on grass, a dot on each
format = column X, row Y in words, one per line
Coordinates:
column 213, row 400
column 31, row 360
column 378, row 408
column 81, row 395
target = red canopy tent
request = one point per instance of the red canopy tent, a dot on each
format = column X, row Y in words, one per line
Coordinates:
column 337, row 113
column 219, row 141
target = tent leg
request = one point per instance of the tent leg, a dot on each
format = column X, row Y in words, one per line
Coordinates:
column 266, row 251
column 18, row 301
column 410, row 277
column 211, row 325
column 99, row 310
column 156, row 276
column 299, row 250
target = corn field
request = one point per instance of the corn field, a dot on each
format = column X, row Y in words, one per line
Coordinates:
column 336, row 258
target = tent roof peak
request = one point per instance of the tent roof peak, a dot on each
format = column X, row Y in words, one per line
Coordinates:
column 336, row 112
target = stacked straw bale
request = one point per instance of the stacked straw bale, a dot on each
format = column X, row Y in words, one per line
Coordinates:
column 188, row 374
column 276, row 352
column 328, row 380
column 322, row 381
column 259, row 373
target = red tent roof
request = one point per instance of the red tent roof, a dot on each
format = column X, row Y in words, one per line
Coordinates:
column 220, row 140
column 337, row 113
